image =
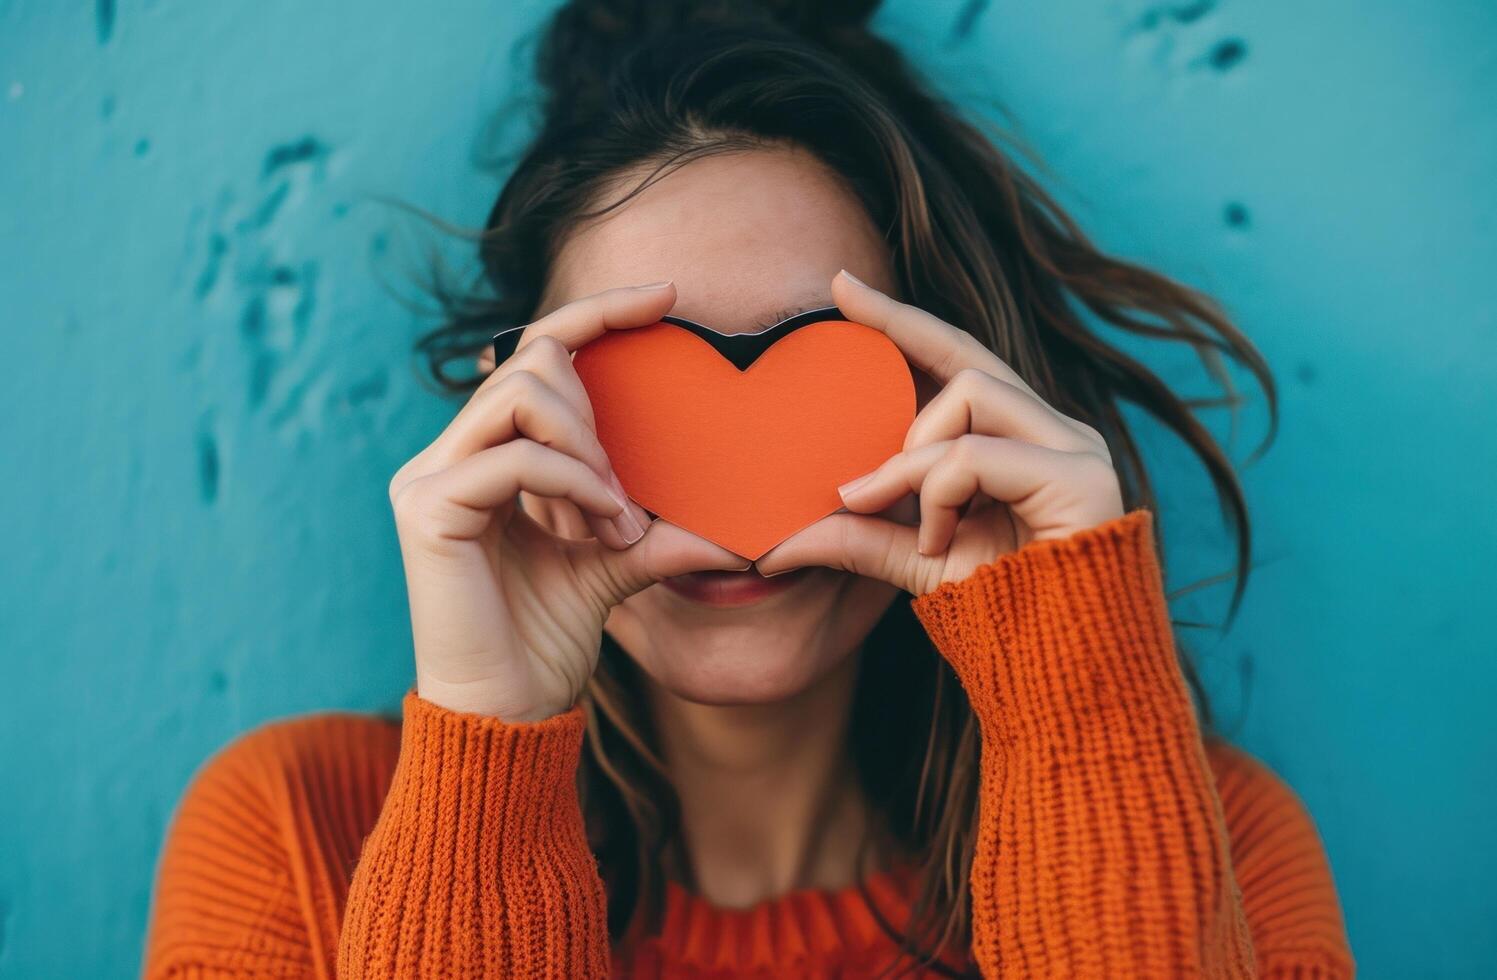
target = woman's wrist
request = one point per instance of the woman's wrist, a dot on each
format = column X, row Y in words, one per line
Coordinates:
column 1069, row 628
column 484, row 700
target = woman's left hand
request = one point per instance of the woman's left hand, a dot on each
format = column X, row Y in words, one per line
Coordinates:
column 992, row 465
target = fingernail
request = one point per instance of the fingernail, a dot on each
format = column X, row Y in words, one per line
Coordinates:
column 628, row 526
column 852, row 485
column 655, row 285
column 773, row 574
column 618, row 488
column 855, row 279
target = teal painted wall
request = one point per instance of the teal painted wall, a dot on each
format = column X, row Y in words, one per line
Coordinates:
column 207, row 384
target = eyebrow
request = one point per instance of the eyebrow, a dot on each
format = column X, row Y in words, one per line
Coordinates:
column 771, row 317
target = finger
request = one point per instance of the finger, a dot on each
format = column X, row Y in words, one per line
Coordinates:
column 549, row 358
column 975, row 401
column 584, row 319
column 895, row 477
column 857, row 543
column 1052, row 491
column 905, row 473
column 524, row 405
column 665, row 550
column 458, row 502
column 930, row 343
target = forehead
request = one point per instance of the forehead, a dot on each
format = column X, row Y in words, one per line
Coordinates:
column 744, row 235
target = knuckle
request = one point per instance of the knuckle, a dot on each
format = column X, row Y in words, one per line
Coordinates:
column 1096, row 472
column 1091, row 434
column 967, row 449
column 969, row 380
column 1090, row 431
column 546, row 349
column 416, row 505
column 523, row 454
column 523, row 382
column 408, row 471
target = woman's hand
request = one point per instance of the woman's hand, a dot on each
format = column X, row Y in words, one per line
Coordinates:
column 992, row 465
column 507, row 617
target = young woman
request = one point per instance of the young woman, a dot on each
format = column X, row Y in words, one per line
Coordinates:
column 943, row 732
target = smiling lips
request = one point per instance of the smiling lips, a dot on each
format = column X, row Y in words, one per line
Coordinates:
column 725, row 589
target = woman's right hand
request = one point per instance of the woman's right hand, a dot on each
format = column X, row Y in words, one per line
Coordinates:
column 507, row 617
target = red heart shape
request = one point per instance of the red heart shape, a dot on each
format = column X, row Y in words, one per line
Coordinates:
column 746, row 458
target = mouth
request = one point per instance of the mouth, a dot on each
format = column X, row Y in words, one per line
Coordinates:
column 725, row 589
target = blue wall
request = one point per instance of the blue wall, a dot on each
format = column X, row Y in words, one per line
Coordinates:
column 206, row 388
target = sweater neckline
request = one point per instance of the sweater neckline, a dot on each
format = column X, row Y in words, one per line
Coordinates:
column 803, row 924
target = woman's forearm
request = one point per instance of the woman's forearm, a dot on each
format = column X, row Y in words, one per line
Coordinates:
column 1101, row 848
column 478, row 865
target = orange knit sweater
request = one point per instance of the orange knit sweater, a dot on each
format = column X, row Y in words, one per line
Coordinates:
column 1112, row 840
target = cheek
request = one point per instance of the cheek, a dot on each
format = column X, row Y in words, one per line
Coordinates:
column 749, row 656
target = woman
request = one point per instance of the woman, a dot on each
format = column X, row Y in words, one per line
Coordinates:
column 942, row 732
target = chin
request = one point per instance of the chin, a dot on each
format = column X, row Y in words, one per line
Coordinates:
column 755, row 653
column 749, row 654
column 734, row 673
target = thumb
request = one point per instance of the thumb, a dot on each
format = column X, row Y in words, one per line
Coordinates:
column 665, row 550
column 859, row 543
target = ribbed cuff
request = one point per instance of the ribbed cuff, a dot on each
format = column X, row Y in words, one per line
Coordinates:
column 1061, row 632
column 1096, row 787
column 479, row 864
column 530, row 764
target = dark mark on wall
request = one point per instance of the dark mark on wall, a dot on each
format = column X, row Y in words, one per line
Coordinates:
column 967, row 19
column 370, row 389
column 218, row 682
column 1227, row 54
column 1178, row 13
column 1236, row 215
column 252, row 318
column 274, row 295
column 104, row 19
column 142, row 147
column 218, row 246
column 208, row 467
column 262, row 373
column 1306, row 373
column 308, row 149
column 306, row 303
column 106, row 107
column 271, row 206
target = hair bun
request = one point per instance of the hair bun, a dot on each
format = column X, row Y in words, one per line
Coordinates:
column 587, row 37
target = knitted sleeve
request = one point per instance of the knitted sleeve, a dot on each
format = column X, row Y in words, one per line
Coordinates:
column 1102, row 845
column 478, row 864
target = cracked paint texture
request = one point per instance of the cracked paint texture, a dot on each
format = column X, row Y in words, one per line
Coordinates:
column 209, row 384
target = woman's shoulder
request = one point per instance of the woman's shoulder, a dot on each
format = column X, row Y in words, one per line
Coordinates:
column 289, row 771
column 267, row 828
column 297, row 761
column 1259, row 806
column 307, row 744
column 1279, row 861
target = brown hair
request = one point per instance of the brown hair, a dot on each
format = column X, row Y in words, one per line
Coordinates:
column 652, row 85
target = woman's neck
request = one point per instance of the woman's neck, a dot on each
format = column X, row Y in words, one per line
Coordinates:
column 770, row 800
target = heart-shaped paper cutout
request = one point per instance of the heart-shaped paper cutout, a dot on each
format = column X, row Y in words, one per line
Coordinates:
column 746, row 458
